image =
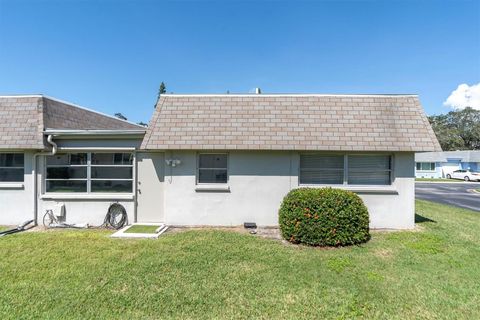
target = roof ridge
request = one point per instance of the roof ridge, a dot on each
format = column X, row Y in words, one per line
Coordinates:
column 89, row 110
column 383, row 95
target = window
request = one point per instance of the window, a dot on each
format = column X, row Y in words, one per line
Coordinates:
column 369, row 169
column 11, row 167
column 426, row 166
column 212, row 168
column 321, row 169
column 345, row 169
column 90, row 172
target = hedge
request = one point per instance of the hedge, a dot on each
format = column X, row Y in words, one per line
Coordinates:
column 324, row 217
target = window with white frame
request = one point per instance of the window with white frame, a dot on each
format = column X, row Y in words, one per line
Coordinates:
column 426, row 166
column 90, row 172
column 212, row 168
column 12, row 167
column 347, row 169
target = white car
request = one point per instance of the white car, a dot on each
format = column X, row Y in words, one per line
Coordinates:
column 466, row 175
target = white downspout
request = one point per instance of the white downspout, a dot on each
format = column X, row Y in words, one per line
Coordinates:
column 35, row 182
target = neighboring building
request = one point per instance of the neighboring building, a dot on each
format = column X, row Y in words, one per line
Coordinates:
column 439, row 164
column 211, row 159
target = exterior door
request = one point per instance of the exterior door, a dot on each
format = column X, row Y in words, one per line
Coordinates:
column 150, row 174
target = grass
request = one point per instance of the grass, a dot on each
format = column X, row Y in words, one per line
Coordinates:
column 82, row 274
column 139, row 228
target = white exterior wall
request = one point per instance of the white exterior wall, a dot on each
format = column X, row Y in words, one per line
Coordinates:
column 258, row 181
column 16, row 199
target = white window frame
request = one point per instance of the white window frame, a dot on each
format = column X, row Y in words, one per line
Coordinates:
column 212, row 183
column 345, row 169
column 22, row 167
column 89, row 178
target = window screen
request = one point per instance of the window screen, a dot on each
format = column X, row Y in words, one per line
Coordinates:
column 67, row 173
column 369, row 169
column 212, row 168
column 321, row 169
column 11, row 167
column 90, row 172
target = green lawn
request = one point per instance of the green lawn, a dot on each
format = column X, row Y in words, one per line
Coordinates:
column 429, row 274
column 141, row 229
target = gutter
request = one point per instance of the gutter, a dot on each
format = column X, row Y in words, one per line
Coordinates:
column 35, row 175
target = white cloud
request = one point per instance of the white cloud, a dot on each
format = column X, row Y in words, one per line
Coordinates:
column 464, row 96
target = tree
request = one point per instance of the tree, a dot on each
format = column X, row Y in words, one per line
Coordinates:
column 161, row 90
column 120, row 116
column 457, row 130
column 143, row 124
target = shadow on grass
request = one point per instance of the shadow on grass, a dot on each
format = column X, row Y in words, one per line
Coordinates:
column 422, row 219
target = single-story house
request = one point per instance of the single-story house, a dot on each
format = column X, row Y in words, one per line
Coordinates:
column 439, row 164
column 217, row 160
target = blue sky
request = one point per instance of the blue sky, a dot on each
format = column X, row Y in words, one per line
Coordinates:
column 112, row 55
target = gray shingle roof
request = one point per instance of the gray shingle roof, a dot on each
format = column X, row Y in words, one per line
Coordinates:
column 290, row 122
column 24, row 118
column 462, row 155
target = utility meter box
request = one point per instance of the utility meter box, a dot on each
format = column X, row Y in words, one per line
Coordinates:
column 58, row 209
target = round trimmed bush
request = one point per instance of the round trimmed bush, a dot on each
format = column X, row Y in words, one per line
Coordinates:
column 324, row 217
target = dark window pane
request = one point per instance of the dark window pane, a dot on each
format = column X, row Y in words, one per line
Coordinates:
column 67, row 159
column 212, row 161
column 66, row 186
column 66, row 172
column 308, row 176
column 112, row 158
column 11, row 175
column 316, row 161
column 111, row 186
column 370, row 163
column 212, row 176
column 369, row 170
column 373, row 178
column 321, row 169
column 112, row 172
column 419, row 166
column 78, row 158
column 11, row 159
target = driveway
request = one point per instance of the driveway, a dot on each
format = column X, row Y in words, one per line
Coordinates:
column 454, row 193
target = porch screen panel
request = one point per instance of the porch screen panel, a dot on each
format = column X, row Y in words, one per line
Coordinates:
column 111, row 172
column 321, row 169
column 369, row 169
column 67, row 173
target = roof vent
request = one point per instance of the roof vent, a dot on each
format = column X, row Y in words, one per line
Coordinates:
column 258, row 91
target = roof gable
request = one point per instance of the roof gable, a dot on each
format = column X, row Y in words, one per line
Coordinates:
column 23, row 120
column 290, row 122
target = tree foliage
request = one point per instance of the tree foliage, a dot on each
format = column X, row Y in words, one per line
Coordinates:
column 457, row 130
column 120, row 116
column 161, row 90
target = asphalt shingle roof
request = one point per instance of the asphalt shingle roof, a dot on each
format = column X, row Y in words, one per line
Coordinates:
column 290, row 122
column 24, row 118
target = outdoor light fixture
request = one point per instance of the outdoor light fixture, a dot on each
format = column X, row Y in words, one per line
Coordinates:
column 173, row 162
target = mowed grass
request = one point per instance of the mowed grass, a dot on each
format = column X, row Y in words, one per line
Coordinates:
column 429, row 274
column 140, row 228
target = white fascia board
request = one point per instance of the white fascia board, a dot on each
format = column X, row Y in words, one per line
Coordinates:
column 94, row 132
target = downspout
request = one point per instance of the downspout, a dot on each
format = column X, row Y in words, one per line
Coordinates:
column 35, row 178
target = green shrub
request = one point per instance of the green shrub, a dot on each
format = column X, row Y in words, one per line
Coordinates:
column 324, row 217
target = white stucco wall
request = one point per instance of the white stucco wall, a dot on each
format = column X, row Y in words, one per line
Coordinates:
column 16, row 199
column 258, row 181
